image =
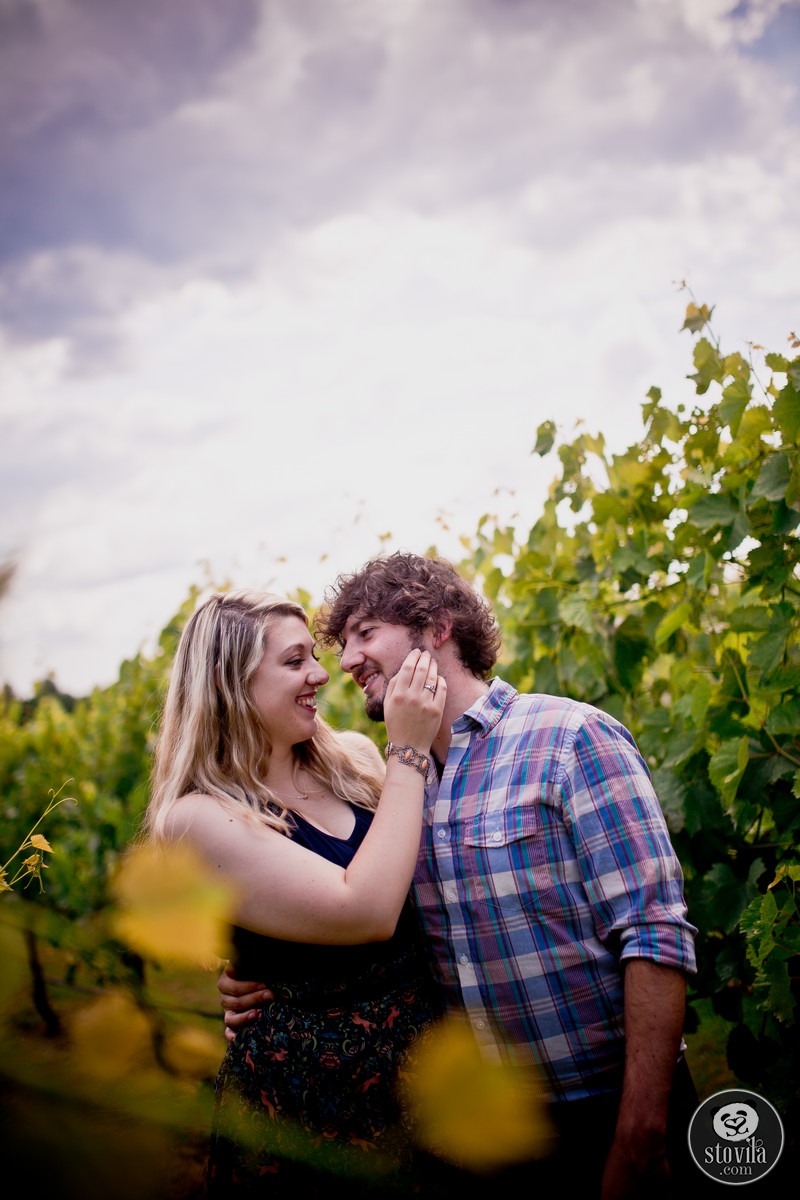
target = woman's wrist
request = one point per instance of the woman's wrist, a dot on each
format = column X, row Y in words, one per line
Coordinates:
column 410, row 757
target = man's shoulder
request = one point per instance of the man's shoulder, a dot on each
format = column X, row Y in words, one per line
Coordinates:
column 538, row 711
column 520, row 703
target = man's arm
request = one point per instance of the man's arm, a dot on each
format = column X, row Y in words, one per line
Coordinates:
column 655, row 1006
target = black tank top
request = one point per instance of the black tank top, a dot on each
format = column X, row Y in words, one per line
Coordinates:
column 273, row 960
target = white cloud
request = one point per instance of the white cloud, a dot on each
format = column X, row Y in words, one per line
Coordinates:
column 721, row 22
column 343, row 266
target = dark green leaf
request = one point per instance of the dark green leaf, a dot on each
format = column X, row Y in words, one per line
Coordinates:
column 545, row 438
column 785, row 718
column 709, row 366
column 712, row 509
column 725, row 897
column 773, row 478
column 735, row 398
column 750, row 617
column 768, row 651
column 727, row 767
column 786, row 412
column 671, row 794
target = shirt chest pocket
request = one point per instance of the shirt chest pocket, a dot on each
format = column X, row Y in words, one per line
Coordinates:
column 502, row 827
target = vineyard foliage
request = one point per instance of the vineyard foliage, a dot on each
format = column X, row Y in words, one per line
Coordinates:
column 660, row 584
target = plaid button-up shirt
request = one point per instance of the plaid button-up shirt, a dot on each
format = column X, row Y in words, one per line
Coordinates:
column 545, row 862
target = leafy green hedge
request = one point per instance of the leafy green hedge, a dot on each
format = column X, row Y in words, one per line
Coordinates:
column 661, row 584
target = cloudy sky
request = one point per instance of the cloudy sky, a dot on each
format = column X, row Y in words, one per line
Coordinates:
column 287, row 282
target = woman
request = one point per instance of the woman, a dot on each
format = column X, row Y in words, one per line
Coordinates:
column 319, row 845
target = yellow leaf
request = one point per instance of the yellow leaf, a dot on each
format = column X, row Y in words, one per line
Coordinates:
column 477, row 1114
column 111, row 1037
column 194, row 1052
column 171, row 907
column 40, row 842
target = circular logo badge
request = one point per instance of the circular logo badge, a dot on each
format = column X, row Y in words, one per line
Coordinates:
column 735, row 1136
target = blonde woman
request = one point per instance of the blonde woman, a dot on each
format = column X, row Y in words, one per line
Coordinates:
column 319, row 842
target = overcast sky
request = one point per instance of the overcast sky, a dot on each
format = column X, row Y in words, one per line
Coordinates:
column 287, row 282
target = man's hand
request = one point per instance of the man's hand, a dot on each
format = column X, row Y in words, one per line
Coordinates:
column 239, row 999
column 636, row 1167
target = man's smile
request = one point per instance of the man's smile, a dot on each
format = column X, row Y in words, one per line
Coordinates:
column 365, row 678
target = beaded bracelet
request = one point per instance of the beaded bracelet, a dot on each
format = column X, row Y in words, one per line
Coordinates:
column 411, row 757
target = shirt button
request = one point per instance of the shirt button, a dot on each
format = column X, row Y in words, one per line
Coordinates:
column 496, row 836
column 462, row 958
column 479, row 1024
column 441, row 833
column 450, row 894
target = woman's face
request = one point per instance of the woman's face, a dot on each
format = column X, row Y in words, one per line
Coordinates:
column 285, row 684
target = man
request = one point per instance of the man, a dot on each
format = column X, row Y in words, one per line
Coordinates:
column 546, row 882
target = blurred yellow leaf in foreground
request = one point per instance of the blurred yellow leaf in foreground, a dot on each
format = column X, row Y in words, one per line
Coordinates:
column 193, row 1053
column 171, row 907
column 477, row 1114
column 111, row 1037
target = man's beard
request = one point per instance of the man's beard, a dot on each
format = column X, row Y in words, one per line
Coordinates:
column 373, row 707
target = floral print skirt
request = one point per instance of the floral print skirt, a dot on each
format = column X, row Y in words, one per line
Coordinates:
column 307, row 1095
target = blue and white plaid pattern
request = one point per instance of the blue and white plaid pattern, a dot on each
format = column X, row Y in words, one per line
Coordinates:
column 546, row 860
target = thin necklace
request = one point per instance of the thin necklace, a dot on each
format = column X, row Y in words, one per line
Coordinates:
column 301, row 795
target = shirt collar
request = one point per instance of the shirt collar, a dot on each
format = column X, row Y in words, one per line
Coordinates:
column 487, row 711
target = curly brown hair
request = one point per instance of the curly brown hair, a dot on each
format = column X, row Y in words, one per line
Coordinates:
column 407, row 589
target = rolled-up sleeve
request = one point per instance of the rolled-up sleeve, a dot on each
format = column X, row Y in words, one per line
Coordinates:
column 629, row 868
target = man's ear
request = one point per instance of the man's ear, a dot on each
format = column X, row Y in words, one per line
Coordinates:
column 442, row 628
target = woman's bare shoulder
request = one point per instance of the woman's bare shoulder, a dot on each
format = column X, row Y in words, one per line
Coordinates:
column 358, row 745
column 187, row 809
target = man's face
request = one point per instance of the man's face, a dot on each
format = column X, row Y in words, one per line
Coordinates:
column 373, row 652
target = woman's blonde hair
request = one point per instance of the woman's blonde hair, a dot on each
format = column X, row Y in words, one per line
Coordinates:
column 212, row 739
